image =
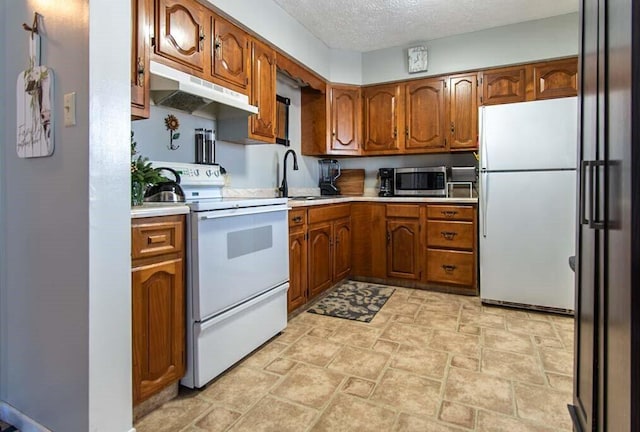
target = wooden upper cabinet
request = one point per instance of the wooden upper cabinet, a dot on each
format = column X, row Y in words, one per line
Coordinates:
column 463, row 112
column 505, row 85
column 345, row 119
column 180, row 32
column 382, row 105
column 230, row 55
column 555, row 79
column 425, row 115
column 140, row 16
column 262, row 126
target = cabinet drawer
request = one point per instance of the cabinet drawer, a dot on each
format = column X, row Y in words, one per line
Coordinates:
column 450, row 267
column 156, row 236
column 450, row 235
column 328, row 212
column 297, row 217
column 403, row 210
column 450, row 212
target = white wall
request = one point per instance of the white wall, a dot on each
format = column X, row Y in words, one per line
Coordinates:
column 346, row 67
column 518, row 43
column 66, row 349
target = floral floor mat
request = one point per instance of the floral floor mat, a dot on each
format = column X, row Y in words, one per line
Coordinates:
column 357, row 301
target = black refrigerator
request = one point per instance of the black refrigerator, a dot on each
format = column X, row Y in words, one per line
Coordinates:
column 607, row 337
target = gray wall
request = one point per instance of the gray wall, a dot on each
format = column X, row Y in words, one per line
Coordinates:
column 518, row 43
column 66, row 349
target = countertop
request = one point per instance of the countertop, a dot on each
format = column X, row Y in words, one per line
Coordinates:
column 164, row 209
column 160, row 209
column 346, row 199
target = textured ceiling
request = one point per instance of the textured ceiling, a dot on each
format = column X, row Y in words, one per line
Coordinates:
column 366, row 25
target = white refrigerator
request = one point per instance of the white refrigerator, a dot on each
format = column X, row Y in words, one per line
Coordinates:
column 527, row 200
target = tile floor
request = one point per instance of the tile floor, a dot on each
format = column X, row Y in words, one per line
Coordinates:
column 427, row 362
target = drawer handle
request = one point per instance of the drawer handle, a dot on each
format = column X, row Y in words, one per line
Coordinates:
column 448, row 268
column 297, row 219
column 448, row 235
column 154, row 239
column 449, row 213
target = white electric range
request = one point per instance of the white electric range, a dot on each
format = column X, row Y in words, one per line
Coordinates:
column 237, row 272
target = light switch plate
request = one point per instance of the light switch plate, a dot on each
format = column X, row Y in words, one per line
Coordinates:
column 70, row 109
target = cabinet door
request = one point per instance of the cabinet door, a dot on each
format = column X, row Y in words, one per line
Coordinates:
column 345, row 119
column 506, row 85
column 230, row 56
column 320, row 258
column 140, row 15
column 180, row 32
column 297, row 294
column 262, row 126
column 403, row 248
column 158, row 327
column 463, row 112
column 382, row 106
column 555, row 79
column 342, row 250
column 425, row 115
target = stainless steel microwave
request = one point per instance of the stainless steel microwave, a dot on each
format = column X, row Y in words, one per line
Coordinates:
column 427, row 181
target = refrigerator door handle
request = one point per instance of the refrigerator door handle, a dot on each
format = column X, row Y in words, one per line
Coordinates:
column 484, row 156
column 594, row 185
column 585, row 171
column 484, row 199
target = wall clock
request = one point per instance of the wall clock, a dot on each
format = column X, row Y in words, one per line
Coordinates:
column 417, row 59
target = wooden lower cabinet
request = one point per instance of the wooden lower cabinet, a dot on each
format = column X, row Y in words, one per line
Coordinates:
column 158, row 304
column 297, row 294
column 341, row 249
column 320, row 258
column 451, row 246
column 320, row 249
column 429, row 246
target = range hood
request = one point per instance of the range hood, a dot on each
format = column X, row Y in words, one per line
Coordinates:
column 178, row 90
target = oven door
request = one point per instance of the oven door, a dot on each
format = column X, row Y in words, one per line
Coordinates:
column 236, row 255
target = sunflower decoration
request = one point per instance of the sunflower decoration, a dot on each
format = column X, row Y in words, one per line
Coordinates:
column 172, row 124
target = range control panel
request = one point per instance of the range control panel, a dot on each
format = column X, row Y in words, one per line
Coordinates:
column 193, row 174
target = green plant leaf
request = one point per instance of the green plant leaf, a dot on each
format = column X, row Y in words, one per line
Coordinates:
column 176, row 135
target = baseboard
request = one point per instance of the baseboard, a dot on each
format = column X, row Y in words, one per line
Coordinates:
column 21, row 421
column 24, row 423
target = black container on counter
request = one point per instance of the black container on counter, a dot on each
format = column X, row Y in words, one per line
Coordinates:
column 205, row 146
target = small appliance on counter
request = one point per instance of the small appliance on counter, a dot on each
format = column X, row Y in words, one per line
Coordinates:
column 168, row 191
column 386, row 182
column 424, row 181
column 329, row 172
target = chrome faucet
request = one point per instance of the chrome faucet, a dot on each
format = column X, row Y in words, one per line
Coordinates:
column 284, row 189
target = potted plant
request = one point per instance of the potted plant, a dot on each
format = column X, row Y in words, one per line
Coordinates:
column 142, row 175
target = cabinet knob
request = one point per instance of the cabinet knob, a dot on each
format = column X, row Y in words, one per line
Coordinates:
column 140, row 70
column 406, row 132
column 448, row 268
column 448, row 235
column 218, row 47
column 201, row 39
column 453, row 128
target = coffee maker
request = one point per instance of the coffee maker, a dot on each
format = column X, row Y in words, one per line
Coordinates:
column 329, row 172
column 386, row 182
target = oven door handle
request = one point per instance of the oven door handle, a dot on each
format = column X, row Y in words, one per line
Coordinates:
column 217, row 214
